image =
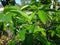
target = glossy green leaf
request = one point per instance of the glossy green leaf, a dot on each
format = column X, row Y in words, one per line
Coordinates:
column 42, row 16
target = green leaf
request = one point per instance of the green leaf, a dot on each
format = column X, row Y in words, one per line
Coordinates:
column 1, row 17
column 42, row 39
column 12, row 27
column 12, row 42
column 32, row 16
column 24, row 7
column 50, row 16
column 58, row 35
column 21, row 13
column 52, row 32
column 8, row 18
column 30, row 28
column 8, row 8
column 42, row 16
column 38, row 29
column 22, row 34
column 34, row 7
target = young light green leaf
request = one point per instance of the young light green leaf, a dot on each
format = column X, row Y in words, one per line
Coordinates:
column 24, row 7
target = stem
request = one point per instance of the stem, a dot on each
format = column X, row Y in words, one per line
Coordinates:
column 56, row 3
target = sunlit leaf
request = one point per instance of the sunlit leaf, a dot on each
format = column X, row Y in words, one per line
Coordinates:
column 42, row 16
column 24, row 7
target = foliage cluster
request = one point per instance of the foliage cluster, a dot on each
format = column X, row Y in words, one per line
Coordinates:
column 40, row 27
